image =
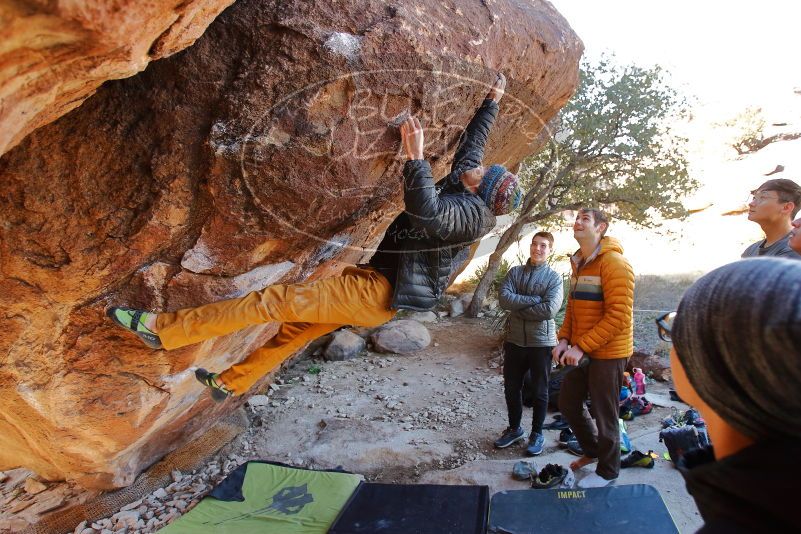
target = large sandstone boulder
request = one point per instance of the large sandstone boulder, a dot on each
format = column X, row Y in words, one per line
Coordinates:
column 265, row 152
column 55, row 54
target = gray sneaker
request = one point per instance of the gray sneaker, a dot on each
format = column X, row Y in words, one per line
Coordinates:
column 510, row 436
column 535, row 444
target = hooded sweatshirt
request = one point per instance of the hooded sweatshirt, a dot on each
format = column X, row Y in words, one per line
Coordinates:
column 599, row 316
column 753, row 490
column 741, row 357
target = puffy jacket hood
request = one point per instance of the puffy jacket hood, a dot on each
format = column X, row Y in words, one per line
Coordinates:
column 610, row 244
column 607, row 244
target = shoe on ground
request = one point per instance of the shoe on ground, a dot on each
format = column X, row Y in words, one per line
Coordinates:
column 218, row 392
column 573, row 447
column 551, row 476
column 565, row 436
column 524, row 470
column 509, row 437
column 558, row 424
column 535, row 444
column 638, row 459
column 642, row 409
column 594, row 480
column 134, row 321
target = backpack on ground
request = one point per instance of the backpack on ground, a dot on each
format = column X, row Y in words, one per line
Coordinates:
column 679, row 440
column 554, row 385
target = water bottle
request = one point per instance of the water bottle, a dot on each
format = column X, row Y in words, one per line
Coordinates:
column 639, row 382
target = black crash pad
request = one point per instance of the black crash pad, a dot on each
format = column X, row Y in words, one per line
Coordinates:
column 414, row 508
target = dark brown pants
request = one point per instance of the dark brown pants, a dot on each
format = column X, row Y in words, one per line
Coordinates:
column 602, row 379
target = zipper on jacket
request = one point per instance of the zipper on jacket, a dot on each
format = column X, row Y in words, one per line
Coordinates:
column 525, row 335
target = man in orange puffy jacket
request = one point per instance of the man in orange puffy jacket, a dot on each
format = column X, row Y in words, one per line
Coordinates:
column 598, row 324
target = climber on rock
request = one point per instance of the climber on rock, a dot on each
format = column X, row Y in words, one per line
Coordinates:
column 411, row 268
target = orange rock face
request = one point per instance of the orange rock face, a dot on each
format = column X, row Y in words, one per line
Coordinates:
column 268, row 151
column 56, row 54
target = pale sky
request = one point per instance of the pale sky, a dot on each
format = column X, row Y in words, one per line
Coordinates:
column 730, row 54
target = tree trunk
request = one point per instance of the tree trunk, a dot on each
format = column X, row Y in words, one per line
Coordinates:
column 484, row 285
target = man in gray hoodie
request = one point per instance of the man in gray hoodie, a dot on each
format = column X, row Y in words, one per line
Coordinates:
column 533, row 294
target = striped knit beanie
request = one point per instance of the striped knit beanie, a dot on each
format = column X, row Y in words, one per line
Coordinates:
column 737, row 333
column 500, row 190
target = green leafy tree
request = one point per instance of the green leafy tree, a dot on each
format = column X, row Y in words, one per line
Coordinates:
column 612, row 146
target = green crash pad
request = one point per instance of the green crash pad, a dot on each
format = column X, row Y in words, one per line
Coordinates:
column 264, row 498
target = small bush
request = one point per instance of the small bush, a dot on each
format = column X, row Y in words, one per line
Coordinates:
column 503, row 270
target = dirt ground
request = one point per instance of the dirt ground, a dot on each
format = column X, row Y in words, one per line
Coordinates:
column 427, row 418
column 430, row 417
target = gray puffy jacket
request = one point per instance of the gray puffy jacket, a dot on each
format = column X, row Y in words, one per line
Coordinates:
column 533, row 294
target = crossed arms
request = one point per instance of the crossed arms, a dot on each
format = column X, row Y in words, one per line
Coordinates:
column 532, row 307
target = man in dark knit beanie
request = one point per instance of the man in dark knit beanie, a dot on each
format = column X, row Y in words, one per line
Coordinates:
column 737, row 358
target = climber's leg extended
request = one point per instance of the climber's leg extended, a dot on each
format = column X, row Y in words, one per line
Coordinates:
column 358, row 296
column 290, row 338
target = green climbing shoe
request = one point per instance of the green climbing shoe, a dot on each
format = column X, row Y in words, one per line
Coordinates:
column 218, row 392
column 638, row 459
column 134, row 321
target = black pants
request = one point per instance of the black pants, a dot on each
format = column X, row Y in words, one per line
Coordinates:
column 516, row 361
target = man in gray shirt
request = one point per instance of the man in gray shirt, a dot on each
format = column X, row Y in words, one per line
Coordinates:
column 533, row 294
column 773, row 206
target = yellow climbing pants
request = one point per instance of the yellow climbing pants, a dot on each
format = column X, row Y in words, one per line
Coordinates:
column 359, row 297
